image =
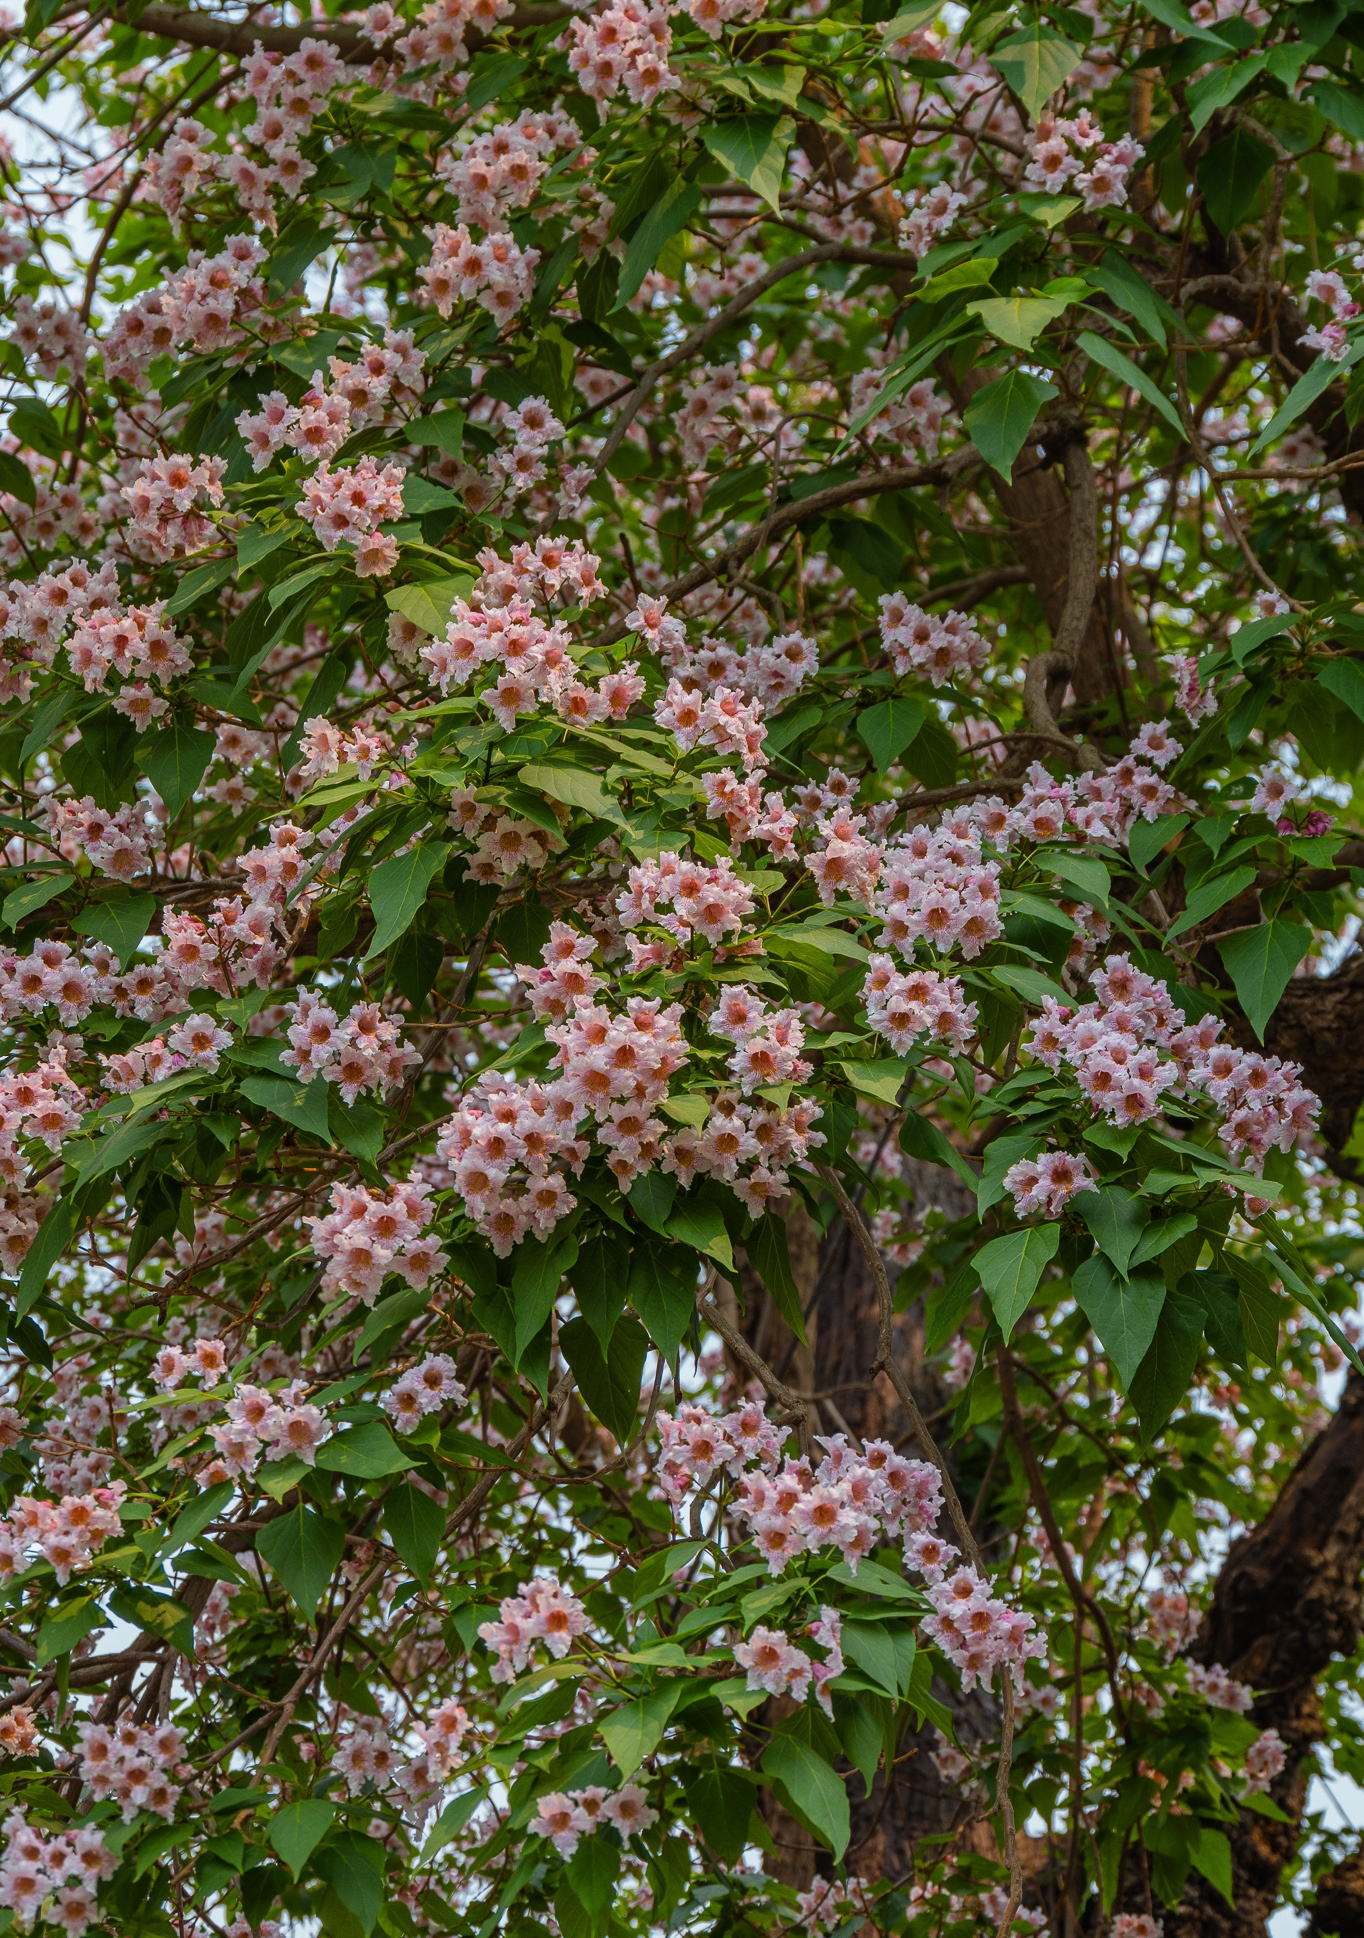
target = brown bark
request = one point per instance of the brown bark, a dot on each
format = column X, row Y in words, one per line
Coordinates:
column 1339, row 1908
column 1287, row 1600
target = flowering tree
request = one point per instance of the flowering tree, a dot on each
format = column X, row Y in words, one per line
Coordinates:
column 681, row 693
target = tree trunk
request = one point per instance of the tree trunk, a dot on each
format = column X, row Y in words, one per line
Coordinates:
column 1287, row 1600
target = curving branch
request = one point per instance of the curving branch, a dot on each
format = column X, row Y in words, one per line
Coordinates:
column 193, row 28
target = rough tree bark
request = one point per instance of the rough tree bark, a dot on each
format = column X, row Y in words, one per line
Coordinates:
column 1286, row 1601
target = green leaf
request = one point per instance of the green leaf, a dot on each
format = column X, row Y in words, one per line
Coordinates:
column 1163, row 1377
column 635, row 1730
column 428, row 604
column 536, row 1276
column 20, row 903
column 416, row 1527
column 121, row 922
column 444, row 431
column 1116, row 1221
column 1035, row 63
column 1131, row 292
column 1018, row 320
column 1230, row 175
column 922, row 1139
column 1000, row 416
column 591, row 1877
column 300, row 245
column 910, row 20
column 1123, row 1312
column 672, row 212
column 1260, row 962
column 451, row 1821
column 1084, row 872
column 491, row 75
column 720, row 1802
column 1212, row 1856
column 199, row 1514
column 175, row 761
column 814, row 1787
column 67, row 1625
column 573, row 786
column 1208, row 897
column 256, row 542
column 609, row 1382
column 424, row 494
column 699, row 1222
column 119, row 1148
column 1158, row 1238
column 1127, row 372
column 662, row 1289
column 54, row 1235
column 1030, row 983
column 1171, row 14
column 1147, row 838
column 753, row 149
column 397, row 889
column 157, row 1614
column 1010, row 1269
column 306, row 1109
column 1344, row 678
column 296, row 1830
column 369, row 1452
column 1001, row 1154
column 769, row 1253
column 599, row 1277
column 1304, row 393
column 882, row 1081
column 17, row 479
column 204, row 578
column 1344, row 109
column 354, row 1867
column 884, row 1652
column 304, row 1551
column 1220, row 87
column 886, row 730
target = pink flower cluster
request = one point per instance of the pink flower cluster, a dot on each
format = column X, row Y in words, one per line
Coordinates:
column 261, row 1422
column 67, row 1532
column 532, row 654
column 929, row 213
column 324, row 748
column 367, row 1234
column 767, row 1042
column 552, row 568
column 765, row 1138
column 616, row 1069
column 38, row 611
column 206, row 1359
column 723, row 720
column 1114, row 1047
column 917, row 642
column 1195, row 701
column 114, row 844
column 913, row 420
column 1048, row 1183
column 423, row 1389
column 495, row 273
column 1103, row 184
column 749, row 814
column 902, row 1008
column 166, row 499
column 777, row 1666
column 60, row 1872
column 50, row 336
column 1217, row 1687
column 133, row 1765
column 626, row 43
column 136, row 643
column 541, row 1612
column 566, row 1816
column 1265, row 1759
column 684, row 898
column 43, row 1103
column 349, row 505
column 204, row 304
column 502, row 168
column 828, row 1904
column 564, row 977
column 520, row 466
column 1332, row 339
column 361, row 1051
column 503, row 844
column 978, row 1632
column 501, row 1145
column 1170, row 1620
